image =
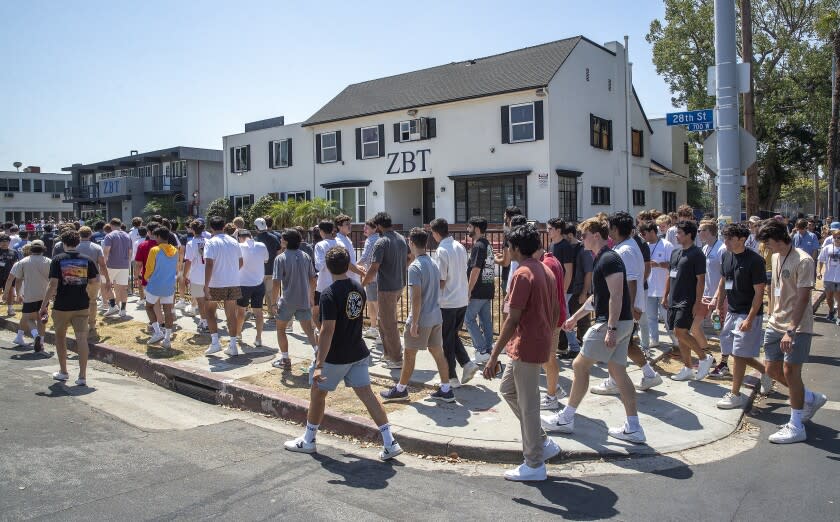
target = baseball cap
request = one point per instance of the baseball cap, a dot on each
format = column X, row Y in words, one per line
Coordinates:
column 37, row 242
column 778, row 217
column 260, row 224
column 755, row 219
column 835, row 225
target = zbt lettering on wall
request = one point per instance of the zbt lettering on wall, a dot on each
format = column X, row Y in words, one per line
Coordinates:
column 407, row 162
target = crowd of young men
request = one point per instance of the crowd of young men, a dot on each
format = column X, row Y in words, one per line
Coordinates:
column 585, row 297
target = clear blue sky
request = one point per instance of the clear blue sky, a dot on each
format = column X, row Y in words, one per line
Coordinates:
column 89, row 80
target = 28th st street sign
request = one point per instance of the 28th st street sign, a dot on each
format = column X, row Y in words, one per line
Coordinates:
column 701, row 120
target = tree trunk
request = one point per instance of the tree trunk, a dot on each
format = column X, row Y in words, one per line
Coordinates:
column 751, row 194
column 834, row 131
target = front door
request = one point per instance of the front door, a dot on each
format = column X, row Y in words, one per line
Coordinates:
column 428, row 200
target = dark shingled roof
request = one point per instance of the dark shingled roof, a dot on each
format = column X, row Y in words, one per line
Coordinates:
column 513, row 71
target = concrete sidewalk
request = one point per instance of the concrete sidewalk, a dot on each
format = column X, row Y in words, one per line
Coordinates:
column 676, row 415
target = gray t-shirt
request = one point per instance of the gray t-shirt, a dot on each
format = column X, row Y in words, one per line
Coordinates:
column 584, row 263
column 391, row 252
column 294, row 269
column 120, row 254
column 90, row 250
column 423, row 272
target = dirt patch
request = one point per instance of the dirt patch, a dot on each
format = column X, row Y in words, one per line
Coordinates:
column 343, row 399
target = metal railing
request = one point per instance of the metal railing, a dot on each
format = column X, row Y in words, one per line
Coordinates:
column 81, row 192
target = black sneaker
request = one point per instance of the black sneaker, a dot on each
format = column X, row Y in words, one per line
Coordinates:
column 394, row 394
column 569, row 355
column 443, row 397
column 39, row 345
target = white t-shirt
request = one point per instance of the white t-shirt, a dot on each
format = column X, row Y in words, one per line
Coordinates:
column 324, row 276
column 254, row 257
column 195, row 255
column 346, row 243
column 225, row 253
column 660, row 252
column 452, row 260
column 634, row 264
column 513, row 266
column 830, row 255
column 828, row 240
column 714, row 256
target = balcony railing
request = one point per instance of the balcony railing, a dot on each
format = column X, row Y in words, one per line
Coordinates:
column 167, row 184
column 81, row 192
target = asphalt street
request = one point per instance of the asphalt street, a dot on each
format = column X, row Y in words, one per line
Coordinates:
column 126, row 449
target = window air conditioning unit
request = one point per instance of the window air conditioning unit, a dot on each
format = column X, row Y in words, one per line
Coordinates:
column 9, row 195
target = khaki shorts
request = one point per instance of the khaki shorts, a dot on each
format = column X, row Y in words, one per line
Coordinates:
column 595, row 348
column 77, row 318
column 118, row 276
column 197, row 291
column 428, row 336
column 227, row 293
column 269, row 286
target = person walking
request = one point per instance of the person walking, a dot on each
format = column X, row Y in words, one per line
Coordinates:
column 194, row 265
column 326, row 230
column 553, row 391
column 161, row 274
column 829, row 271
column 223, row 259
column 481, row 281
column 271, row 240
column 8, row 258
column 660, row 259
column 371, row 236
column 117, row 248
column 254, row 257
column 31, row 277
column 94, row 252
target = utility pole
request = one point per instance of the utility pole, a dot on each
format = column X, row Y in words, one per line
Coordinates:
column 833, row 131
column 749, row 107
column 728, row 117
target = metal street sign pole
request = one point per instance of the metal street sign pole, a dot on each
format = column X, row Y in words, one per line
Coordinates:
column 728, row 127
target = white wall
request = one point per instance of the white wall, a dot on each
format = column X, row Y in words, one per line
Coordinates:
column 402, row 198
column 667, row 145
column 34, row 201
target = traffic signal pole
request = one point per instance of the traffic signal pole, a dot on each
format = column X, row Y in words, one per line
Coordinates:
column 727, row 117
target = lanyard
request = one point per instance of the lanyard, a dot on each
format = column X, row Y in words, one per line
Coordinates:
column 779, row 270
column 713, row 248
column 654, row 247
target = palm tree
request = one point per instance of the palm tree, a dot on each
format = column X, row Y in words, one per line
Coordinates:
column 309, row 213
column 283, row 213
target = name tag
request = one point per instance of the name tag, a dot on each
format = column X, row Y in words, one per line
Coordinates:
column 777, row 291
column 2, row 263
column 673, row 273
column 729, row 284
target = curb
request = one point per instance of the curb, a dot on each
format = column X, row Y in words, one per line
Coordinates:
column 208, row 387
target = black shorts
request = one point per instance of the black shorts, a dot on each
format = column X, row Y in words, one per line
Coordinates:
column 317, row 298
column 680, row 318
column 29, row 308
column 252, row 295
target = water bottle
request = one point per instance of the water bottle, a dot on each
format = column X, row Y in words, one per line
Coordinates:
column 716, row 320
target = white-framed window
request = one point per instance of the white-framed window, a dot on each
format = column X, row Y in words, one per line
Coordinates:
column 155, row 169
column 241, row 161
column 281, row 153
column 370, row 142
column 413, row 130
column 300, row 195
column 351, row 201
column 522, row 122
column 329, row 150
column 242, row 202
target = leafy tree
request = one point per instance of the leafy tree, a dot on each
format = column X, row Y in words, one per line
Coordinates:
column 220, row 207
column 260, row 208
column 309, row 213
column 164, row 206
column 788, row 62
column 283, row 213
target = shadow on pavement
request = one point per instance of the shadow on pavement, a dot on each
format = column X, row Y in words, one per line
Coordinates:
column 573, row 499
column 58, row 389
column 358, row 472
column 31, row 356
column 822, row 359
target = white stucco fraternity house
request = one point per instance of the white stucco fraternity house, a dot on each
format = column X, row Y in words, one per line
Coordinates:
column 544, row 128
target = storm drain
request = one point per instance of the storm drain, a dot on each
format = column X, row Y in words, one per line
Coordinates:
column 195, row 390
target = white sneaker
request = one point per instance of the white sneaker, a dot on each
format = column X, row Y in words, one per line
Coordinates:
column 454, row 383
column 557, row 423
column 621, row 433
column 114, row 310
column 811, row 407
column 19, row 340
column 123, row 314
column 10, row 310
column 389, row 452
column 156, row 338
column 704, row 367
column 392, row 365
column 232, row 349
column 607, row 387
column 730, row 401
column 649, row 382
column 788, row 435
column 141, row 302
column 180, row 305
column 470, row 369
column 481, row 358
column 214, row 348
column 550, row 449
column 766, row 384
column 59, row 376
column 300, row 446
column 372, row 333
column 290, row 328
column 166, row 345
column 549, row 403
column 189, row 311
column 686, row 374
column 525, row 473
column 81, row 382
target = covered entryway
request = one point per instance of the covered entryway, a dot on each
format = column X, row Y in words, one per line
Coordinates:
column 411, row 202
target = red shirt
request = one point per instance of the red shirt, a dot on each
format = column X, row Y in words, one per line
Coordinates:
column 143, row 254
column 553, row 264
column 533, row 289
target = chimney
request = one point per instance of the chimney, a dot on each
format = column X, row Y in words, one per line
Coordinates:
column 32, row 169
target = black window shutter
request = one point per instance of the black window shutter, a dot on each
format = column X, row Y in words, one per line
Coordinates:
column 592, row 130
column 308, row 195
column 271, row 154
column 610, row 135
column 282, row 196
column 317, row 148
column 232, row 205
column 396, row 133
column 381, row 140
column 538, row 120
column 247, row 157
column 432, row 127
column 358, row 143
column 642, row 144
column 338, row 145
column 232, row 161
column 290, row 151
column 505, row 123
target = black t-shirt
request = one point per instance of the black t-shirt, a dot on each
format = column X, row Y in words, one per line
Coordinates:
column 643, row 246
column 343, row 302
column 481, row 256
column 583, row 266
column 306, row 247
column 8, row 258
column 269, row 239
column 72, row 271
column 607, row 263
column 565, row 253
column 98, row 237
column 687, row 264
column 743, row 271
column 49, row 240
